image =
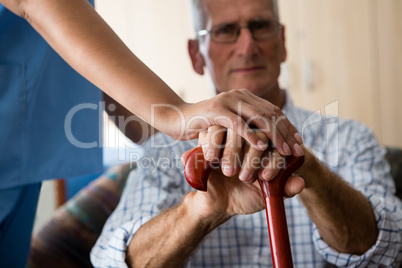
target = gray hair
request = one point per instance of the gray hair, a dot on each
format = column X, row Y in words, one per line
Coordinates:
column 198, row 15
column 198, row 12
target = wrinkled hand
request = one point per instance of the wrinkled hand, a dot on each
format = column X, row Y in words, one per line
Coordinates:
column 230, row 196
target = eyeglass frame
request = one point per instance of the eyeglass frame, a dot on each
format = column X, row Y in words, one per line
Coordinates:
column 205, row 32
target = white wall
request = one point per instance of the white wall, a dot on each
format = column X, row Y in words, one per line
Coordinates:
column 157, row 32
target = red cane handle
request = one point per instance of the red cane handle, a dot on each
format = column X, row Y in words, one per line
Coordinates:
column 196, row 171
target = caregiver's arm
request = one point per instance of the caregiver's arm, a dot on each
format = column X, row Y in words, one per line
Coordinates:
column 75, row 31
column 133, row 127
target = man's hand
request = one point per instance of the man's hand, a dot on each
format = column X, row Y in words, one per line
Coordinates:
column 229, row 196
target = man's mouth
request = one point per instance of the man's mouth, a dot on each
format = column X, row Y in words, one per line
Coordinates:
column 247, row 69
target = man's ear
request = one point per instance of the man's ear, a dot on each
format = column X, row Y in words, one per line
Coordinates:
column 283, row 49
column 197, row 59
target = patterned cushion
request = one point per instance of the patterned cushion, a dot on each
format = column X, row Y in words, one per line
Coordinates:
column 66, row 240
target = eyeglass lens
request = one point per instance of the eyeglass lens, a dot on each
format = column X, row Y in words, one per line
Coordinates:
column 260, row 30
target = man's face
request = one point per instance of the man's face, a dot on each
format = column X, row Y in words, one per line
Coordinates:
column 246, row 63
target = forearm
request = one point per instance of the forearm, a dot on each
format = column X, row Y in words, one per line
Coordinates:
column 88, row 44
column 343, row 216
column 129, row 124
column 169, row 239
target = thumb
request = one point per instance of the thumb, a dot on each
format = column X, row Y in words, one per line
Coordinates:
column 293, row 186
column 185, row 155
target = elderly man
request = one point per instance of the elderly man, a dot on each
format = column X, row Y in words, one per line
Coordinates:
column 344, row 213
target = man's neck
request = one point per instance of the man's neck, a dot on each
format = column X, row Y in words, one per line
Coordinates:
column 276, row 97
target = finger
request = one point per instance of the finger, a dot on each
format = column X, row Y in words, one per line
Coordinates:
column 184, row 156
column 293, row 186
column 264, row 118
column 288, row 131
column 202, row 138
column 202, row 141
column 292, row 129
column 232, row 121
column 271, row 163
column 214, row 142
column 232, row 154
column 271, row 120
column 251, row 161
column 275, row 130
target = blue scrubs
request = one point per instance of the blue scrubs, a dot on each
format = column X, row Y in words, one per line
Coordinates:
column 50, row 127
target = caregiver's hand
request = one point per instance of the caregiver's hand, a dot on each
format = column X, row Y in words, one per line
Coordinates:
column 235, row 110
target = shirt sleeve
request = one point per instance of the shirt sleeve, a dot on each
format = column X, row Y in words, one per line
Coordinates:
column 157, row 184
column 363, row 165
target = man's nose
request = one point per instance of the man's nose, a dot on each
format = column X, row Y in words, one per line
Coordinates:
column 245, row 41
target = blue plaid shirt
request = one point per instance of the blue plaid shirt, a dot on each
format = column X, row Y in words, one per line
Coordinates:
column 346, row 147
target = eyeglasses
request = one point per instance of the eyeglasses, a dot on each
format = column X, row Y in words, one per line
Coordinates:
column 229, row 32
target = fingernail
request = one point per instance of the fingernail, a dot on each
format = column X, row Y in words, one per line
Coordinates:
column 243, row 176
column 298, row 138
column 209, row 155
column 227, row 170
column 261, row 145
column 298, row 150
column 287, row 150
column 268, row 174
